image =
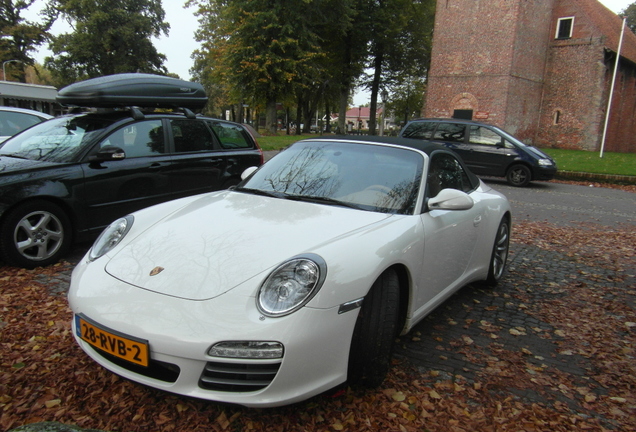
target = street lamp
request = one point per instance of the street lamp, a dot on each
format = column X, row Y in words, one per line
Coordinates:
column 4, row 71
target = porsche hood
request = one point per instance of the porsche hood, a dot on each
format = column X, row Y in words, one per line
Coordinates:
column 221, row 240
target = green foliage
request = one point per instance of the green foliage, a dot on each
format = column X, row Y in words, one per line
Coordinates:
column 630, row 13
column 400, row 46
column 110, row 36
column 591, row 162
column 21, row 37
column 279, row 141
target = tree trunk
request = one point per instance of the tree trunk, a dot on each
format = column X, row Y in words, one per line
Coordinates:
column 375, row 87
column 299, row 114
column 342, row 112
column 270, row 116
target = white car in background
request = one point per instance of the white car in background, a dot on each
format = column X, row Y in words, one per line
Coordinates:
column 296, row 280
column 14, row 120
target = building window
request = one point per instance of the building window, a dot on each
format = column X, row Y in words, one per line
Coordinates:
column 564, row 28
column 557, row 117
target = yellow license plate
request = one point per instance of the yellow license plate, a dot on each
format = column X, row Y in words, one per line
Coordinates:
column 117, row 344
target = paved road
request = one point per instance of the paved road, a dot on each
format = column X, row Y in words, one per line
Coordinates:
column 567, row 204
column 563, row 203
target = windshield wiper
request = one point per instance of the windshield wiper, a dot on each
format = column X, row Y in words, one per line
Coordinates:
column 323, row 200
column 260, row 192
column 13, row 156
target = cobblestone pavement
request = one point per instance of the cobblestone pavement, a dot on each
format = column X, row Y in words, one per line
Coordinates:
column 505, row 319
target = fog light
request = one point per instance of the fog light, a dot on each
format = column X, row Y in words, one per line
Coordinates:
column 247, row 350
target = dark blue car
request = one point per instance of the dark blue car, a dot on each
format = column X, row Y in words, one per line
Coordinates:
column 486, row 149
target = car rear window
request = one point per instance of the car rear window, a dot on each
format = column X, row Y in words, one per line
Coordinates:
column 419, row 130
column 231, row 136
column 450, row 132
column 11, row 122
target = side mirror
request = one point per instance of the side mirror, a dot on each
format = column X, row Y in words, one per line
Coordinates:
column 248, row 172
column 451, row 199
column 108, row 153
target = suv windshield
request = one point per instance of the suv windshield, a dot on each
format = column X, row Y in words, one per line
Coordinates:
column 56, row 140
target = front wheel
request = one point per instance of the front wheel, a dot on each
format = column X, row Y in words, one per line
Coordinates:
column 519, row 175
column 37, row 233
column 499, row 255
column 375, row 332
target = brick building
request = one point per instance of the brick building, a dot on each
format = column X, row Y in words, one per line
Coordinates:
column 541, row 69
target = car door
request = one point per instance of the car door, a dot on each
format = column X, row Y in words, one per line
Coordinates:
column 198, row 164
column 490, row 154
column 450, row 235
column 117, row 187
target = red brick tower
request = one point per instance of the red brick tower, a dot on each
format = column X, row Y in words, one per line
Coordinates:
column 489, row 56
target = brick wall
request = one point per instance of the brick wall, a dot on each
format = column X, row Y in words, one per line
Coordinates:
column 501, row 59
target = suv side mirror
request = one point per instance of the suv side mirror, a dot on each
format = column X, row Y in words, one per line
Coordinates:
column 108, row 153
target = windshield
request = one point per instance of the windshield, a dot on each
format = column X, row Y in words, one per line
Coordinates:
column 56, row 140
column 366, row 176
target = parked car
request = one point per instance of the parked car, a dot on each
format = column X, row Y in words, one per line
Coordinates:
column 66, row 179
column 14, row 120
column 294, row 281
column 486, row 149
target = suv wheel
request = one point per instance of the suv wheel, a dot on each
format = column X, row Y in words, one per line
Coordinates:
column 37, row 233
column 519, row 175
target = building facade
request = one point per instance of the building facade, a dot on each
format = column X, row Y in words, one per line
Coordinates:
column 32, row 96
column 540, row 69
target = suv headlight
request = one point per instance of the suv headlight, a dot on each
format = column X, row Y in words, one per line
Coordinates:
column 291, row 285
column 545, row 162
column 110, row 237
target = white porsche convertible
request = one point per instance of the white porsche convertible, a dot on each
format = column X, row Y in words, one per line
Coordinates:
column 296, row 280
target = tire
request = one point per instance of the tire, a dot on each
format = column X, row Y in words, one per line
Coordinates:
column 499, row 255
column 519, row 175
column 375, row 332
column 37, row 233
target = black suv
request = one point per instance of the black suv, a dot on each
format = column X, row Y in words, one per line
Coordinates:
column 66, row 179
column 487, row 150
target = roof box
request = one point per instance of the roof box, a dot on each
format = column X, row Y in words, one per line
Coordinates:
column 134, row 89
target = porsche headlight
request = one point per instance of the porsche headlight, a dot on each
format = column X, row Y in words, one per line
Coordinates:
column 111, row 237
column 545, row 162
column 291, row 285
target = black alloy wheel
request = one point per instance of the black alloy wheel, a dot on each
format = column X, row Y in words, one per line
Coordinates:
column 519, row 175
column 499, row 255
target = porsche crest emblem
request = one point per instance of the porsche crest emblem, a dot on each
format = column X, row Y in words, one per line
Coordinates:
column 155, row 271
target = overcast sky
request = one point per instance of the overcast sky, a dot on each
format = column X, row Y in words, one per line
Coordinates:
column 180, row 43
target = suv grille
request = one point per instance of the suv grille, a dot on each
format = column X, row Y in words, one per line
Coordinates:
column 233, row 377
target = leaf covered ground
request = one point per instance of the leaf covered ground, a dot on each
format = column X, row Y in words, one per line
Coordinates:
column 573, row 370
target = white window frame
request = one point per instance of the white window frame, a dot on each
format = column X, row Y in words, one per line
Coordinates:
column 558, row 27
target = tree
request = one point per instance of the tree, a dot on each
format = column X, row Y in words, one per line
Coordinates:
column 109, row 36
column 630, row 13
column 400, row 45
column 267, row 52
column 19, row 36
